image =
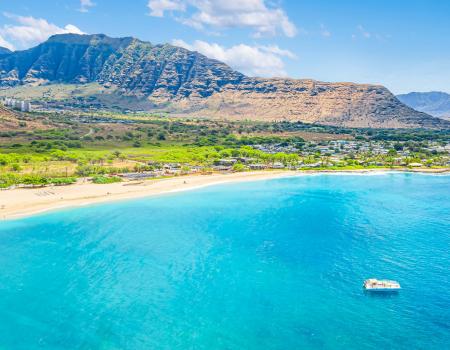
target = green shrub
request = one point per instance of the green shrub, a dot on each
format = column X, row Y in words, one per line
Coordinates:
column 60, row 181
column 238, row 167
column 85, row 170
column 7, row 180
column 16, row 167
column 106, row 179
column 35, row 180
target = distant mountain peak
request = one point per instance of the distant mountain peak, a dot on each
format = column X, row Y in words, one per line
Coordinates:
column 4, row 51
column 436, row 103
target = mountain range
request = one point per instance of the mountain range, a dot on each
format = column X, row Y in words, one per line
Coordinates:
column 4, row 51
column 435, row 103
column 133, row 74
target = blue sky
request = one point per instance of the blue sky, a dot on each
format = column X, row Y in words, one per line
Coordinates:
column 404, row 45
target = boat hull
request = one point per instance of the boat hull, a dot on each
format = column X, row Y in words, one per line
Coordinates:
column 383, row 286
column 382, row 290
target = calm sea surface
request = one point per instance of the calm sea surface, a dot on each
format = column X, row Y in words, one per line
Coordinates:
column 273, row 264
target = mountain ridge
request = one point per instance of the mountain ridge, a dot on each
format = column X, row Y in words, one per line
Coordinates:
column 73, row 58
column 188, row 83
column 4, row 51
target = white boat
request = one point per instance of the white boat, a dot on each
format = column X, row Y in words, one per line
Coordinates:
column 374, row 285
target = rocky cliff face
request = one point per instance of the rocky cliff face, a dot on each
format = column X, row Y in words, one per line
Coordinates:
column 345, row 104
column 189, row 83
column 63, row 58
column 136, row 67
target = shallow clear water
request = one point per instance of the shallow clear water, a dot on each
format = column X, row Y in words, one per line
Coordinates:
column 272, row 264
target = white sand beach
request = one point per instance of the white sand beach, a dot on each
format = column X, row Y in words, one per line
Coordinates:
column 19, row 202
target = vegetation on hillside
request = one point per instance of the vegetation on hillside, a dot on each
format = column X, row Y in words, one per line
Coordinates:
column 103, row 144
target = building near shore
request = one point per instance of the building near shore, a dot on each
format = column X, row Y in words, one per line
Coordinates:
column 21, row 105
column 25, row 106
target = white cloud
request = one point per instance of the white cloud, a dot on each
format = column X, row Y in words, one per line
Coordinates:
column 203, row 14
column 85, row 5
column 265, row 61
column 274, row 49
column 29, row 31
column 365, row 34
column 158, row 7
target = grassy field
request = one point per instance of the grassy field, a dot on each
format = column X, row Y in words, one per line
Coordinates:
column 40, row 146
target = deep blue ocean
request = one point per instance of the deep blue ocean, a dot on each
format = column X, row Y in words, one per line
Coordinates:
column 276, row 264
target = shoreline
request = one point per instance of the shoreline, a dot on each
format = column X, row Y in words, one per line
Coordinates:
column 22, row 202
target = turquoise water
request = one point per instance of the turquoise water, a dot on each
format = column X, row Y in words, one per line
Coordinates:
column 272, row 264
